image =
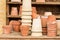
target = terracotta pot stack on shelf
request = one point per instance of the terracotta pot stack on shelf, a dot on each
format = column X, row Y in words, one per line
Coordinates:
column 15, row 25
column 44, row 24
column 14, row 11
column 51, row 26
column 44, row 19
column 26, row 16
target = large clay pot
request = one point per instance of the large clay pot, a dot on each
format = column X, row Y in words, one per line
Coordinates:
column 14, row 11
column 34, row 12
column 16, row 25
column 51, row 26
column 7, row 29
column 40, row 0
column 24, row 30
column 44, row 21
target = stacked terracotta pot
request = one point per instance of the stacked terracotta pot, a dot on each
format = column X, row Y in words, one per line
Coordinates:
column 44, row 24
column 26, row 16
column 14, row 11
column 15, row 25
column 40, row 0
column 51, row 26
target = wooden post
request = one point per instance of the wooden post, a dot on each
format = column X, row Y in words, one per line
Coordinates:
column 2, row 14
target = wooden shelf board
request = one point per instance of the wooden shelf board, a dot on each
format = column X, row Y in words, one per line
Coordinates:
column 57, row 16
column 17, row 35
column 45, row 3
column 10, row 16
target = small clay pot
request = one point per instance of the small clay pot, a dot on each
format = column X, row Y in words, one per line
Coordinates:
column 44, row 21
column 24, row 30
column 40, row 0
column 16, row 25
column 34, row 12
column 14, row 11
column 7, row 29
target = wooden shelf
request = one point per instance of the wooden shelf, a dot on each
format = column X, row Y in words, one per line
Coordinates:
column 38, row 3
column 14, row 3
column 57, row 16
column 10, row 16
column 17, row 35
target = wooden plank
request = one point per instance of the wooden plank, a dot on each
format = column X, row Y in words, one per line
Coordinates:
column 10, row 16
column 43, row 3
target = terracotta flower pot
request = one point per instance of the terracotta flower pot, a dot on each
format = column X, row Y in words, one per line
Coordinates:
column 7, row 29
column 40, row 0
column 34, row 12
column 51, row 26
column 44, row 21
column 16, row 25
column 14, row 11
column 51, row 33
column 24, row 30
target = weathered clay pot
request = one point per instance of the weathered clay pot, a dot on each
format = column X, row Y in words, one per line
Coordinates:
column 16, row 25
column 40, row 0
column 24, row 30
column 7, row 29
column 34, row 12
column 14, row 11
column 44, row 21
column 51, row 33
